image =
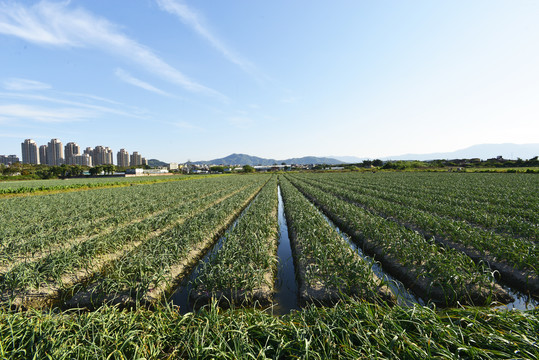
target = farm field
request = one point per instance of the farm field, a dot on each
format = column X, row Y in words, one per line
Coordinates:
column 121, row 252
column 36, row 186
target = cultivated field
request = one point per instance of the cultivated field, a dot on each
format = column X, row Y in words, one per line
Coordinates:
column 449, row 239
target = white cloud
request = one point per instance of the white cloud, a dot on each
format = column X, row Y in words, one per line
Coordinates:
column 40, row 114
column 15, row 84
column 55, row 24
column 126, row 77
column 196, row 22
column 78, row 104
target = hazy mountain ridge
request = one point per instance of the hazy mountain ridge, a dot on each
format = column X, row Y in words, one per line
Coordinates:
column 482, row 151
column 244, row 159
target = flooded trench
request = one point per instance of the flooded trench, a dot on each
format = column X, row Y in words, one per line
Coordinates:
column 286, row 289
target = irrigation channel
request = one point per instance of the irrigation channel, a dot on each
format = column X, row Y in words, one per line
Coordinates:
column 285, row 295
column 286, row 288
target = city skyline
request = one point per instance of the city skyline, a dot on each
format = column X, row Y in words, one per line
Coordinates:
column 54, row 153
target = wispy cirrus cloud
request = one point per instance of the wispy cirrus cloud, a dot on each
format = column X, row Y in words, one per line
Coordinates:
column 73, row 104
column 197, row 23
column 128, row 78
column 46, row 115
column 57, row 24
column 15, row 84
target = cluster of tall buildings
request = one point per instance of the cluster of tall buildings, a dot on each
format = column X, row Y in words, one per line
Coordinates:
column 54, row 153
column 8, row 159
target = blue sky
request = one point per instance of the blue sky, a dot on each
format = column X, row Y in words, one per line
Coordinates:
column 178, row 80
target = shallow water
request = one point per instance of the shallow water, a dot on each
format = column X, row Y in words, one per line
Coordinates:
column 404, row 296
column 522, row 301
column 286, row 291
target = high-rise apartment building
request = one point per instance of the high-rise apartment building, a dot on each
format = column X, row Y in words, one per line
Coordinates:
column 30, row 152
column 122, row 158
column 102, row 155
column 9, row 159
column 135, row 159
column 55, row 153
column 83, row 160
column 43, row 154
column 71, row 149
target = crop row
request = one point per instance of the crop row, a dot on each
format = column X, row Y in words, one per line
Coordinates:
column 35, row 224
column 501, row 252
column 326, row 267
column 242, row 270
column 36, row 186
column 442, row 275
column 69, row 265
column 508, row 194
column 503, row 219
column 150, row 271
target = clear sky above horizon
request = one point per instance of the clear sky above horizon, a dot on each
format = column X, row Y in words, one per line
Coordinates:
column 196, row 80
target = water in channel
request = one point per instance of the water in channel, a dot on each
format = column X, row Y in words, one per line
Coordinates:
column 286, row 290
column 522, row 301
column 403, row 295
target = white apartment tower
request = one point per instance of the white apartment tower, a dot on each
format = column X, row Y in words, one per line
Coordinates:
column 136, row 159
column 102, row 156
column 83, row 160
column 123, row 158
column 71, row 150
column 30, row 152
column 55, row 153
column 43, row 155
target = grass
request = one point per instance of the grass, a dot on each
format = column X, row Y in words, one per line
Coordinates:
column 349, row 330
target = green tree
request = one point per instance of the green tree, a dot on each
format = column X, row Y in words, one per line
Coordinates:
column 248, row 169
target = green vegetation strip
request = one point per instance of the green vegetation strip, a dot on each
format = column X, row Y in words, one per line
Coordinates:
column 61, row 218
column 39, row 282
column 242, row 270
column 444, row 276
column 516, row 259
column 88, row 184
column 512, row 221
column 148, row 272
column 350, row 330
column 326, row 266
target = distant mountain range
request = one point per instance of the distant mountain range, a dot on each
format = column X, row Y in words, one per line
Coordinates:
column 243, row 159
column 482, row 151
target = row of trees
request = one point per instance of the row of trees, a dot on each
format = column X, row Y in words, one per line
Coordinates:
column 29, row 171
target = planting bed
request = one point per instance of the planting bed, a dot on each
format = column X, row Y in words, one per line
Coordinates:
column 326, row 267
column 242, row 270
